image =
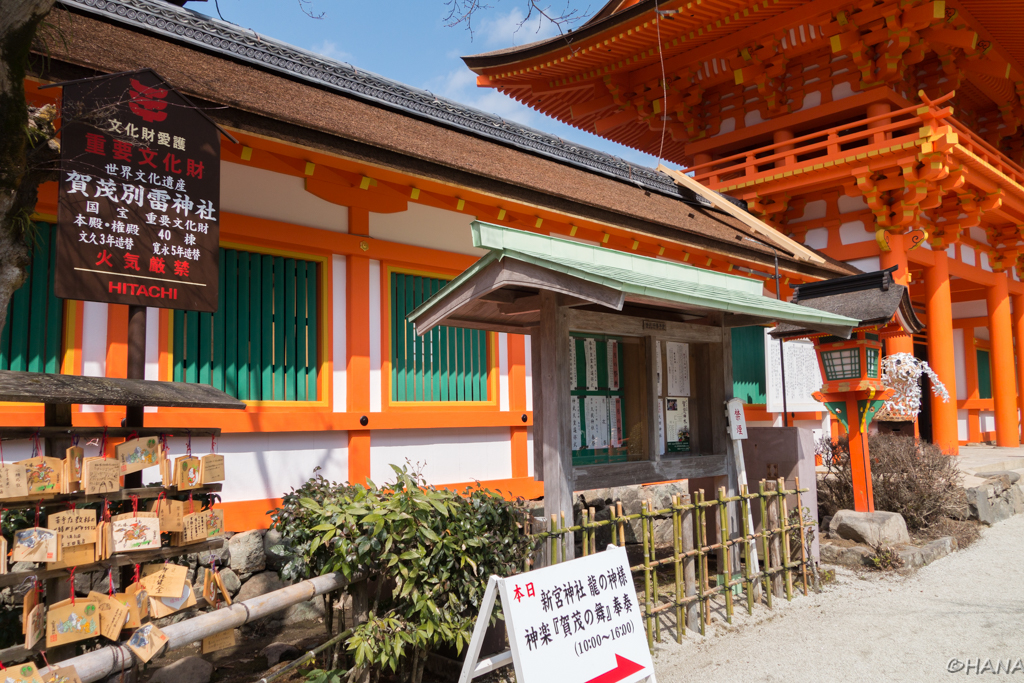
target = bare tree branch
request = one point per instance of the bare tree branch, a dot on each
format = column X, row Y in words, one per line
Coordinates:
column 461, row 12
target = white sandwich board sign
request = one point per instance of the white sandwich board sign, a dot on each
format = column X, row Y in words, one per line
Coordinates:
column 574, row 622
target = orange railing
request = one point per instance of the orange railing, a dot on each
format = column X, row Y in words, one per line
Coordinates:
column 861, row 137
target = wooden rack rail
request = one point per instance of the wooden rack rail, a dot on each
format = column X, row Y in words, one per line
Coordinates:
column 79, row 499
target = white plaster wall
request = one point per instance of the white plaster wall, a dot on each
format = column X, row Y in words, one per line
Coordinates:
column 848, row 204
column 502, row 371
column 269, row 464
column 444, row 456
column 812, row 210
column 529, row 451
column 376, row 389
column 961, row 425
column 967, row 254
column 970, row 309
column 426, row 226
column 988, row 421
column 958, row 363
column 868, row 265
column 853, row 232
column 264, row 194
column 94, row 345
column 816, row 238
column 529, row 371
column 152, row 349
column 338, row 350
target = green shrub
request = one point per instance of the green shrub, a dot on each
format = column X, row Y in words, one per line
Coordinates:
column 429, row 553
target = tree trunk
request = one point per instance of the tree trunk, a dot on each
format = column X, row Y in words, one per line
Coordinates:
column 28, row 149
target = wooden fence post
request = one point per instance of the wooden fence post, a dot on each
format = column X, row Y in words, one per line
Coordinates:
column 689, row 566
column 775, row 546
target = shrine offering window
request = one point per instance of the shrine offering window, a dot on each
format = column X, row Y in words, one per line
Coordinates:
column 607, row 416
column 262, row 342
column 842, row 364
column 33, row 332
column 984, row 375
column 445, row 364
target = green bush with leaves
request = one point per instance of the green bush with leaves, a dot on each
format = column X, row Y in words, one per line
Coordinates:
column 427, row 551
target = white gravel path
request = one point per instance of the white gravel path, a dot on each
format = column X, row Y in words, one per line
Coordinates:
column 871, row 626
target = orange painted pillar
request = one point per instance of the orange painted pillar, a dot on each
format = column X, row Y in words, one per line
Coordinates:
column 860, row 462
column 877, row 109
column 940, row 353
column 1004, row 378
column 1018, row 333
column 357, row 272
column 517, row 403
column 780, row 136
column 897, row 257
column 973, row 393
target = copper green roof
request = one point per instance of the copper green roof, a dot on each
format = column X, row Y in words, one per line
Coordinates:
column 634, row 276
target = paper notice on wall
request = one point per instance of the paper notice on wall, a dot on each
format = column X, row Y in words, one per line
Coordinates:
column 596, row 408
column 574, row 381
column 613, row 364
column 657, row 366
column 616, row 421
column 677, row 357
column 803, row 376
column 590, row 353
column 577, row 428
column 677, row 424
column 661, row 432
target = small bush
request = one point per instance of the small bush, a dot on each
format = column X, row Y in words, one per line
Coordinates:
column 885, row 559
column 964, row 531
column 910, row 477
column 429, row 553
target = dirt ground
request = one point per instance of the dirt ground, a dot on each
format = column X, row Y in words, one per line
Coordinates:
column 870, row 626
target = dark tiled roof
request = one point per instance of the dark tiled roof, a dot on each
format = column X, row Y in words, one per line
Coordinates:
column 214, row 35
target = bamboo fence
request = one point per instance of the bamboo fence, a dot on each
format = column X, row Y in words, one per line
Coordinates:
column 691, row 547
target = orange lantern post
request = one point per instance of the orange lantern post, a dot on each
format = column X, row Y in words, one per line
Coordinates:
column 853, row 391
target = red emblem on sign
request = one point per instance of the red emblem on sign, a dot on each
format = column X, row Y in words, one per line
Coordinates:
column 148, row 102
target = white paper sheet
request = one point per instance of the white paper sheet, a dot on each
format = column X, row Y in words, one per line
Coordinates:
column 678, row 368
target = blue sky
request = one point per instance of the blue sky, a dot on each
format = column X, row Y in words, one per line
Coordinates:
column 407, row 40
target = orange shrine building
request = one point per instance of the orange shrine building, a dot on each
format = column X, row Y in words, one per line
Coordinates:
column 880, row 132
column 345, row 203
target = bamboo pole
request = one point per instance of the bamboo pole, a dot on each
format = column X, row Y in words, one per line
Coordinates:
column 776, row 550
column 564, row 538
column 593, row 532
column 678, row 566
column 689, row 565
column 803, row 538
column 726, row 568
column 765, row 533
column 784, row 517
column 585, row 532
column 748, row 583
column 622, row 528
column 702, row 564
column 648, row 608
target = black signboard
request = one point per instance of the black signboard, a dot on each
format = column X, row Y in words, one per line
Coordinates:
column 139, row 195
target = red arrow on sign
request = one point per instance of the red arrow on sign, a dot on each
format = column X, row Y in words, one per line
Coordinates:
column 623, row 667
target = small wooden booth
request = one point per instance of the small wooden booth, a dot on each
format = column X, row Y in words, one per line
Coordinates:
column 631, row 355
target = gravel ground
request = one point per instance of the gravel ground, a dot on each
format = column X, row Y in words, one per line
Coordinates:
column 868, row 626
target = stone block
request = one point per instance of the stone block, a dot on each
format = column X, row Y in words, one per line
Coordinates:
column 259, row 584
column 870, row 528
column 853, row 556
column 246, row 552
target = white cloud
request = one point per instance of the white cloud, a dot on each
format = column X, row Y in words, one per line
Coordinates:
column 513, row 29
column 329, row 49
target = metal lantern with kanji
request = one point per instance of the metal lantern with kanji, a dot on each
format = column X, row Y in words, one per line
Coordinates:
column 851, row 366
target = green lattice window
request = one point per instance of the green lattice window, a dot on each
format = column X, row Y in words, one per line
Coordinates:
column 872, row 358
column 445, row 364
column 984, row 375
column 841, row 364
column 33, row 332
column 262, row 343
column 748, row 365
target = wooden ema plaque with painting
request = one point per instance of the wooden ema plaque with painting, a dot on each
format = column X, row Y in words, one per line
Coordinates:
column 35, row 625
column 23, row 673
column 136, row 455
column 194, row 529
column 146, row 642
column 69, row 623
column 36, row 544
column 65, row 674
column 75, row 455
column 164, row 580
column 135, row 531
column 162, row 607
column 43, row 475
column 187, row 473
